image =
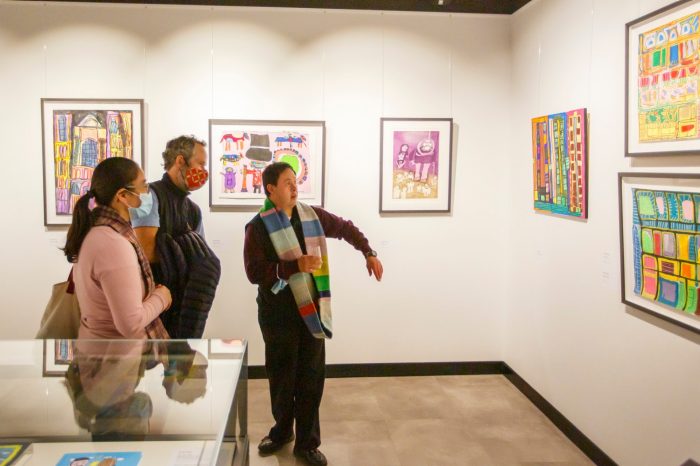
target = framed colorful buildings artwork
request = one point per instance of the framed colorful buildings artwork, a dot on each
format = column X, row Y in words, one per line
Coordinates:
column 662, row 76
column 239, row 151
column 660, row 245
column 559, row 163
column 77, row 135
column 58, row 354
column 415, row 165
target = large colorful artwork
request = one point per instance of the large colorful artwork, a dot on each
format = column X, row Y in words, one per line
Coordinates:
column 415, row 164
column 241, row 149
column 661, row 244
column 663, row 74
column 79, row 134
column 559, row 160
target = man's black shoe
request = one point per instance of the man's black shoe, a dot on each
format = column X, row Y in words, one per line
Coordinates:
column 314, row 457
column 268, row 446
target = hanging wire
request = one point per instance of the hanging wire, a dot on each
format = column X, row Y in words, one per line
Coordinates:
column 145, row 63
column 45, row 51
column 590, row 55
column 383, row 59
column 451, row 41
column 211, row 54
column 323, row 74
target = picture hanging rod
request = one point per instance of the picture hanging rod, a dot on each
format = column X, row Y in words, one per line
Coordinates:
column 501, row 7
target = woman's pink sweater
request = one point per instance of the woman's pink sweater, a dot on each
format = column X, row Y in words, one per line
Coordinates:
column 111, row 290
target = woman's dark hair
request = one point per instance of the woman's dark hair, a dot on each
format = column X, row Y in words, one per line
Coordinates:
column 272, row 173
column 109, row 176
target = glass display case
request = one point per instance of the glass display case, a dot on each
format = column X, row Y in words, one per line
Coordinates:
column 123, row 402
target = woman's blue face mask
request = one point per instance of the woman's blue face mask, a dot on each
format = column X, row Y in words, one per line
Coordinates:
column 146, row 205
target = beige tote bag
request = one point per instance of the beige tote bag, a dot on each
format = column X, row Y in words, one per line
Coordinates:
column 61, row 318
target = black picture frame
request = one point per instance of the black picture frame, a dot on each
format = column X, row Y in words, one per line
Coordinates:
column 81, row 105
column 52, row 364
column 674, row 182
column 388, row 203
column 253, row 201
column 676, row 147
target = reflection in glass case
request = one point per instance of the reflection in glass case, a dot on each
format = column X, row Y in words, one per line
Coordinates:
column 162, row 399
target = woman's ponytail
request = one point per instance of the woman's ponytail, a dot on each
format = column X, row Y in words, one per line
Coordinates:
column 79, row 227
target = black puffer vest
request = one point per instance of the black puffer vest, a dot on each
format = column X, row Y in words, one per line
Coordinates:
column 188, row 267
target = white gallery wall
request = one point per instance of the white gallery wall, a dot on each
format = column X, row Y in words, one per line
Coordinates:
column 443, row 291
column 491, row 281
column 626, row 380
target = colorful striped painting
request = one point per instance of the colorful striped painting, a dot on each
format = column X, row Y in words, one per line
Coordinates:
column 559, row 161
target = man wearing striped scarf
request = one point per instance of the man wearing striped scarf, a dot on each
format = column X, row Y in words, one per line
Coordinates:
column 286, row 256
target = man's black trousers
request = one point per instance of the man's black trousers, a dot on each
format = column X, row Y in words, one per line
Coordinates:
column 295, row 363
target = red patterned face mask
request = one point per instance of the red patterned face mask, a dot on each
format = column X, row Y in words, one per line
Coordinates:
column 195, row 178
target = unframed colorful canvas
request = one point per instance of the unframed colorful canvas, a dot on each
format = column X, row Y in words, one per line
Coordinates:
column 559, row 160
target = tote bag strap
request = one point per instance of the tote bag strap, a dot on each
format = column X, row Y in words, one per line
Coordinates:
column 71, row 283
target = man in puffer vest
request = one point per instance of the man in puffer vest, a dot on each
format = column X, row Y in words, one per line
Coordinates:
column 171, row 233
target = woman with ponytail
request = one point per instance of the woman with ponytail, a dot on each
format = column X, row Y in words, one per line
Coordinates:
column 113, row 279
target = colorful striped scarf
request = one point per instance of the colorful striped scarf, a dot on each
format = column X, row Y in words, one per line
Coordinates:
column 305, row 286
column 103, row 215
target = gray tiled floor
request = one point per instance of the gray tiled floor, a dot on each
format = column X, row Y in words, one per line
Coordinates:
column 423, row 421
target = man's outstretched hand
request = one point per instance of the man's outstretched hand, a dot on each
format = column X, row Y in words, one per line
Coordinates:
column 374, row 267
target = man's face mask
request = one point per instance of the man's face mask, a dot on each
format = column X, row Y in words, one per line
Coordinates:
column 195, row 178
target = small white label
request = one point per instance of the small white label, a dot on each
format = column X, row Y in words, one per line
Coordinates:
column 185, row 457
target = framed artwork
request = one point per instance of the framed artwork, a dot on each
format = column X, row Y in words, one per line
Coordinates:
column 58, row 354
column 661, row 82
column 77, row 135
column 559, row 163
column 239, row 151
column 415, row 166
column 64, row 352
column 660, row 245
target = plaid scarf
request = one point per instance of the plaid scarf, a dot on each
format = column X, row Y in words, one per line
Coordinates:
column 316, row 313
column 107, row 216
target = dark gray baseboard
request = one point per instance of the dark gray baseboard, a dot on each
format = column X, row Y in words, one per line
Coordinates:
column 402, row 369
column 586, row 445
column 572, row 432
